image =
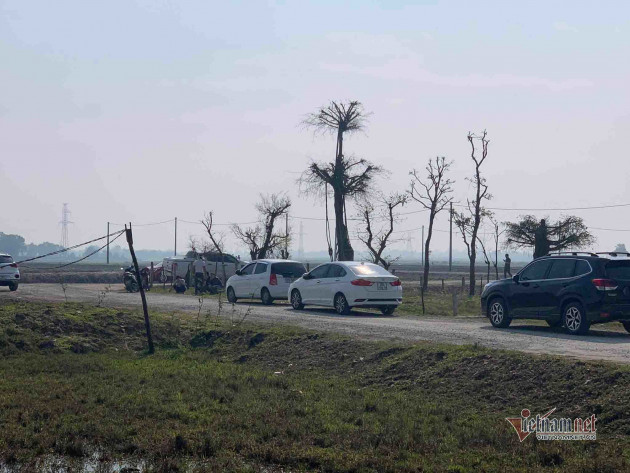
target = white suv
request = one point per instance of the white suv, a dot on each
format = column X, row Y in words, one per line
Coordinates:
column 9, row 272
column 267, row 279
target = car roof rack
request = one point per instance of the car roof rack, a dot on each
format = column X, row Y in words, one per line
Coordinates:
column 573, row 253
column 613, row 253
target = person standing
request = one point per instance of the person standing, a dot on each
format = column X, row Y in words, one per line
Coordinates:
column 506, row 268
column 199, row 266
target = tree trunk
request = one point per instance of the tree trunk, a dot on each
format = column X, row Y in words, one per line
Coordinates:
column 427, row 244
column 473, row 260
column 344, row 249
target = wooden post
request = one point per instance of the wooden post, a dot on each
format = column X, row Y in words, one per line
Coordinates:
column 481, row 285
column 308, row 266
column 442, row 284
column 463, row 283
column 455, row 303
column 147, row 323
column 151, row 276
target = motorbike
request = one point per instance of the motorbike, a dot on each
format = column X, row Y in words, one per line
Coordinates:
column 129, row 279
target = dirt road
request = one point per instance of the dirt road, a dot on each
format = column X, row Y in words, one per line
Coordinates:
column 605, row 342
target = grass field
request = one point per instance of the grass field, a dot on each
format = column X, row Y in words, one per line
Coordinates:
column 77, row 389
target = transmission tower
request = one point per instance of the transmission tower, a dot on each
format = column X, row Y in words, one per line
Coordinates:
column 65, row 213
column 301, row 242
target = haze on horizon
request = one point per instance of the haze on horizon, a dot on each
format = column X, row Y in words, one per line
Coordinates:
column 146, row 110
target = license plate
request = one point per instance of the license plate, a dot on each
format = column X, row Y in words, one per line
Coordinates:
column 381, row 286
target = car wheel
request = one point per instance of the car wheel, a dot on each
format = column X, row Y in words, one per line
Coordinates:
column 574, row 319
column 554, row 323
column 626, row 325
column 231, row 296
column 388, row 310
column 265, row 297
column 498, row 314
column 341, row 305
column 162, row 277
column 13, row 286
column 296, row 300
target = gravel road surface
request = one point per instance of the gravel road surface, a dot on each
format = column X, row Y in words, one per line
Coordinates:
column 605, row 342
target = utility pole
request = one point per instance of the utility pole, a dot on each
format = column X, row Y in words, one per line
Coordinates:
column 175, row 252
column 107, row 242
column 147, row 323
column 450, row 242
column 286, row 233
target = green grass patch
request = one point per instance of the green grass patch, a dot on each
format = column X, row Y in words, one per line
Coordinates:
column 225, row 397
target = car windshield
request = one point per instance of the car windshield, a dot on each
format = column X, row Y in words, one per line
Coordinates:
column 618, row 269
column 369, row 270
column 288, row 270
column 6, row 259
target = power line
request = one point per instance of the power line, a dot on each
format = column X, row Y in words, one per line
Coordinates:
column 91, row 254
column 63, row 250
column 595, row 207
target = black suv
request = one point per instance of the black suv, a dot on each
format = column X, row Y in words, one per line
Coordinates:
column 573, row 290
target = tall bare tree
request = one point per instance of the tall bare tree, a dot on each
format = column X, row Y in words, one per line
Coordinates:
column 496, row 235
column 216, row 239
column 433, row 192
column 469, row 220
column 377, row 239
column 347, row 176
column 265, row 238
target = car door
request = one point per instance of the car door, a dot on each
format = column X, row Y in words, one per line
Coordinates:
column 558, row 281
column 311, row 290
column 527, row 295
column 331, row 284
column 241, row 282
column 258, row 279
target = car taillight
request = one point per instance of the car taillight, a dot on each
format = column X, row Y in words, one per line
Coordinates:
column 396, row 283
column 361, row 282
column 13, row 265
column 273, row 280
column 605, row 284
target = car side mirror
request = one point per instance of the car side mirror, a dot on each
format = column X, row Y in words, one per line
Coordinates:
column 516, row 278
column 239, row 272
column 307, row 276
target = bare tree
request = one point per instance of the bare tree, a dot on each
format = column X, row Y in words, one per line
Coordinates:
column 434, row 193
column 347, row 176
column 496, row 235
column 376, row 240
column 216, row 239
column 469, row 220
column 264, row 239
column 486, row 256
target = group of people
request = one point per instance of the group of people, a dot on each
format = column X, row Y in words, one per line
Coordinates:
column 203, row 282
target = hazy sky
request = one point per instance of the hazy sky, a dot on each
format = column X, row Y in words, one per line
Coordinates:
column 143, row 111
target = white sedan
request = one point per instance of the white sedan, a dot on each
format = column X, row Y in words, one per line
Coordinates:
column 347, row 284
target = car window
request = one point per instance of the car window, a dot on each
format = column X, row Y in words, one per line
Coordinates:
column 336, row 271
column 6, row 259
column 261, row 268
column 320, row 271
column 369, row 269
column 247, row 270
column 582, row 268
column 288, row 270
column 562, row 269
column 618, row 269
column 535, row 271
